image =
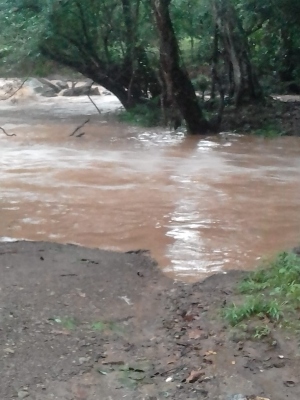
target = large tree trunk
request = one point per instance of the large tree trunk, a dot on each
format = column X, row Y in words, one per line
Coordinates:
column 180, row 91
column 217, row 80
column 128, row 76
column 243, row 80
column 118, row 79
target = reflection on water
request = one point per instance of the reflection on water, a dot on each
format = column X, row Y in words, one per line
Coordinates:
column 199, row 205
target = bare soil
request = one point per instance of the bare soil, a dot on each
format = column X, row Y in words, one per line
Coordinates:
column 84, row 324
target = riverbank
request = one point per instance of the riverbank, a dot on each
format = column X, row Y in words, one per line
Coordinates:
column 86, row 324
column 31, row 100
column 279, row 116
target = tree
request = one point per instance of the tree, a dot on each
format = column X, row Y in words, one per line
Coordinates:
column 145, row 52
column 273, row 33
column 180, row 93
column 101, row 40
column 243, row 81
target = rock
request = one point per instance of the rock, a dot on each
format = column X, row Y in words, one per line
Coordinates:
column 296, row 250
column 66, row 93
column 95, row 92
column 61, row 85
column 22, row 394
column 40, row 88
column 83, row 360
column 56, row 86
column 80, row 91
column 236, row 397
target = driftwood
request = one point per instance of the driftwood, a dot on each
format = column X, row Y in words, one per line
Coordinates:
column 79, row 127
column 7, row 134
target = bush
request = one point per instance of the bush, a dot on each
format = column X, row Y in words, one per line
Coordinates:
column 147, row 115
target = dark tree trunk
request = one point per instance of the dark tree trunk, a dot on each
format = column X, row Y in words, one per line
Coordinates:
column 290, row 57
column 131, row 79
column 180, row 90
column 244, row 85
column 214, row 64
column 217, row 81
column 117, row 79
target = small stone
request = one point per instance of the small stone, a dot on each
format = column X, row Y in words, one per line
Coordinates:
column 9, row 351
column 83, row 360
column 22, row 394
column 236, row 397
column 279, row 364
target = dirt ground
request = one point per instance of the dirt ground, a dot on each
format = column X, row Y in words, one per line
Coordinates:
column 281, row 113
column 84, row 324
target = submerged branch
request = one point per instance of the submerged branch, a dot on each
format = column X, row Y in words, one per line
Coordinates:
column 7, row 134
column 79, row 127
column 92, row 101
column 16, row 91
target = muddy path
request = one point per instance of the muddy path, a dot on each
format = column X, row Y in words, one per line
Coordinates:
column 84, row 324
column 200, row 205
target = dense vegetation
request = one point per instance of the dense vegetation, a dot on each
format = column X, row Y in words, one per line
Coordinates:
column 155, row 54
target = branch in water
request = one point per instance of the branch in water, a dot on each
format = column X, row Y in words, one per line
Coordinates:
column 7, row 134
column 16, row 91
column 79, row 127
column 91, row 100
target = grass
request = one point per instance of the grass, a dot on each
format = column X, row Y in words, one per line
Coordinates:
column 102, row 326
column 142, row 115
column 271, row 293
column 69, row 323
column 269, row 130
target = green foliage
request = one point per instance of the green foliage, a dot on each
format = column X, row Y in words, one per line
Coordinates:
column 117, row 42
column 110, row 326
column 273, row 291
column 269, row 130
column 274, row 35
column 142, row 115
column 201, row 83
column 252, row 306
column 21, row 25
column 261, row 331
column 69, row 323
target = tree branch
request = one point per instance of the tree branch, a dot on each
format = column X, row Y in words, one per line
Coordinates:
column 7, row 134
column 91, row 100
column 79, row 127
column 16, row 91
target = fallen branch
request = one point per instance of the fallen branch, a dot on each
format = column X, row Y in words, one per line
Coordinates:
column 92, row 101
column 16, row 91
column 7, row 134
column 79, row 127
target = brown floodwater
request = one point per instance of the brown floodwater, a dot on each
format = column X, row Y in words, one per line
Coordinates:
column 199, row 204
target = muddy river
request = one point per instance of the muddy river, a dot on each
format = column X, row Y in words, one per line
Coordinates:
column 199, row 204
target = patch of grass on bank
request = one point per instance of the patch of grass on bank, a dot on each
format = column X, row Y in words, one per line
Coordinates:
column 272, row 294
column 69, row 323
column 142, row 115
column 269, row 130
column 102, row 326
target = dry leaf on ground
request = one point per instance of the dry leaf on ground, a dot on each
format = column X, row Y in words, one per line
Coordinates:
column 194, row 376
column 195, row 333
